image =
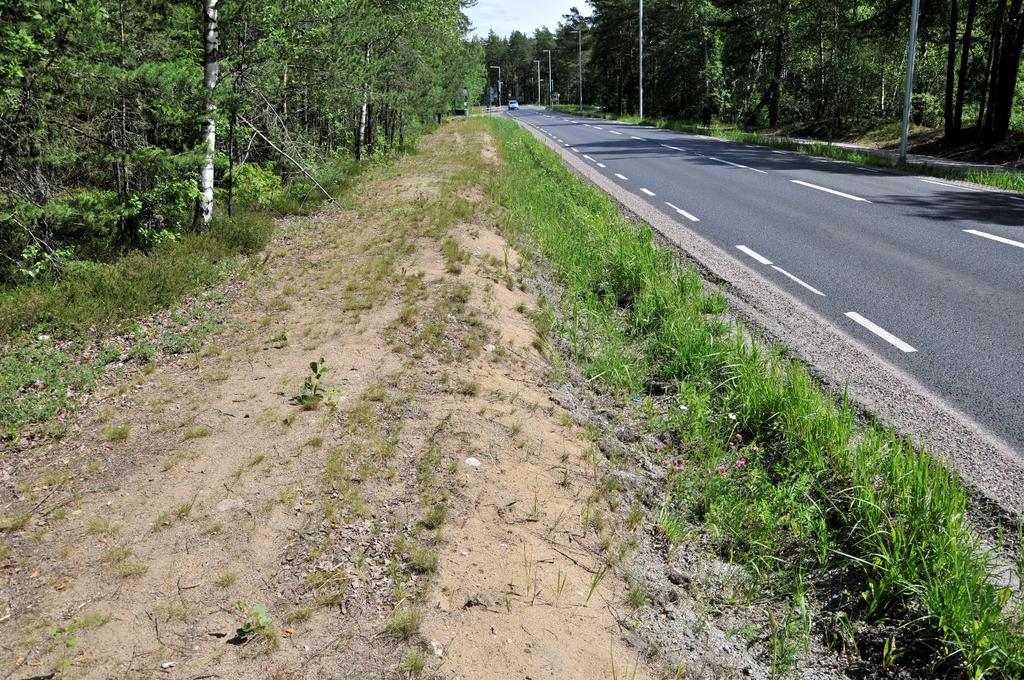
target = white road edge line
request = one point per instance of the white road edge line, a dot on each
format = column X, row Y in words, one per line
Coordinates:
column 622, row 177
column 829, row 191
column 598, row 127
column 574, row 149
column 745, row 167
column 881, row 332
column 648, row 192
column 794, row 278
column 757, row 256
column 674, row 148
column 615, row 132
column 589, row 158
column 1009, row 242
column 682, row 212
column 951, row 186
column 636, row 138
column 601, row 165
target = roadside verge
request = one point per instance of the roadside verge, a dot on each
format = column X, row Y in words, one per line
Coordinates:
column 782, row 477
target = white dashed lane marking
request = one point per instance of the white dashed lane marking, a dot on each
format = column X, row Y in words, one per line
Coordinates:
column 830, row 191
column 993, row 237
column 881, row 332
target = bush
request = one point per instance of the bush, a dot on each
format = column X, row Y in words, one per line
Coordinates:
column 255, row 186
column 98, row 296
column 245, row 232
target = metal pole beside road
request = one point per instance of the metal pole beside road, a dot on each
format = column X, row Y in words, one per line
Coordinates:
column 908, row 96
column 499, row 84
column 537, row 61
column 579, row 35
column 641, row 59
column 550, row 83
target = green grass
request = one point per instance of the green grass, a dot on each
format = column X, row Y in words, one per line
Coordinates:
column 39, row 381
column 100, row 296
column 404, row 623
column 90, row 299
column 1008, row 181
column 776, row 474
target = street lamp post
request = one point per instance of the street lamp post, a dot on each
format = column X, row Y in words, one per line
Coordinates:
column 499, row 84
column 537, row 62
column 579, row 37
column 551, row 85
column 909, row 94
column 642, row 59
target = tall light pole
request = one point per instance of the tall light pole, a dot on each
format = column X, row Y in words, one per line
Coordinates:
column 551, row 85
column 579, row 37
column 642, row 59
column 909, row 94
column 499, row 84
column 537, row 62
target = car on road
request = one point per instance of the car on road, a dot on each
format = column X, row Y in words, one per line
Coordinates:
column 513, row 105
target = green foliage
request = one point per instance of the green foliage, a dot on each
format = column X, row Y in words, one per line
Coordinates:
column 100, row 136
column 92, row 296
column 817, row 69
column 255, row 619
column 38, row 381
column 775, row 473
column 256, row 185
column 313, row 387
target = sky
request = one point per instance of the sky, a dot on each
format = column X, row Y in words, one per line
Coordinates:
column 505, row 16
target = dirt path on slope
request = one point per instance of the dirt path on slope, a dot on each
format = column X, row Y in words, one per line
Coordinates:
column 421, row 508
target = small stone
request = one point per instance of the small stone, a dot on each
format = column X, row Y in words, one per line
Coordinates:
column 472, row 462
column 167, row 665
column 677, row 577
column 489, row 347
column 438, row 649
column 229, row 504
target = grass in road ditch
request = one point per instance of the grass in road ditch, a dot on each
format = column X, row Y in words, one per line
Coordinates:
column 1009, row 181
column 778, row 474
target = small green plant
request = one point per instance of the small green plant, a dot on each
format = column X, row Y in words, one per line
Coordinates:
column 435, row 516
column 313, row 389
column 255, row 619
column 596, row 581
column 559, row 586
column 403, row 623
column 197, row 432
column 637, row 592
column 116, row 432
column 413, row 663
column 226, row 580
column 164, row 519
column 14, row 522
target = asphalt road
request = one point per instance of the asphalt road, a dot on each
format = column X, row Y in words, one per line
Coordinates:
column 929, row 274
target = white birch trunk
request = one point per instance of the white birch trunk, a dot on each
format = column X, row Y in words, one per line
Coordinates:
column 364, row 111
column 211, row 61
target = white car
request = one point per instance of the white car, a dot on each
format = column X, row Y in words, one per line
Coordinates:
column 513, row 105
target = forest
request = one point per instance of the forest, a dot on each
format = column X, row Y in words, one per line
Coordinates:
column 815, row 67
column 125, row 125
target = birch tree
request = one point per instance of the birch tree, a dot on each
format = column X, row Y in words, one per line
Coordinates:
column 211, row 72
